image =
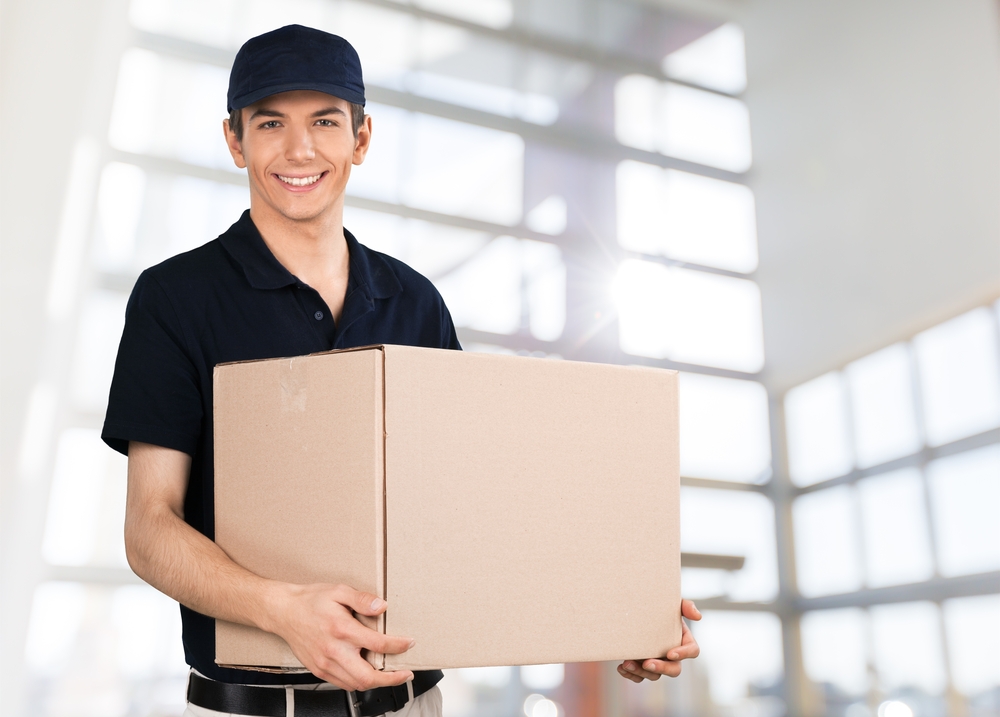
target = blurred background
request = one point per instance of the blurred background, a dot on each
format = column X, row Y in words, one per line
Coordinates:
column 793, row 203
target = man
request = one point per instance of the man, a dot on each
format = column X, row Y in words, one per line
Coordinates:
column 287, row 279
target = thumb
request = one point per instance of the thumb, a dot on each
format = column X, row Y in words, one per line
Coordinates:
column 363, row 603
column 690, row 611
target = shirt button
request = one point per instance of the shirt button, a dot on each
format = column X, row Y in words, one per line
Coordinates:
column 318, row 315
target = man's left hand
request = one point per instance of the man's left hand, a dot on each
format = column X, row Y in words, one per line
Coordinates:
column 639, row 670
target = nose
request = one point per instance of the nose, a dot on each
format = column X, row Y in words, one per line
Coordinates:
column 299, row 145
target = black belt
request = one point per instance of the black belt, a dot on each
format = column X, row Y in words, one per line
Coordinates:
column 270, row 701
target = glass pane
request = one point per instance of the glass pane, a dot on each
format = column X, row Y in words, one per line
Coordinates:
column 179, row 213
column 485, row 292
column 119, row 207
column 491, row 13
column 741, row 650
column 740, row 523
column 504, row 101
column 200, row 210
column 102, row 319
column 716, row 60
column 206, row 21
column 688, row 316
column 542, row 677
column 637, row 99
column 686, row 217
column 973, row 628
column 826, row 542
column 170, row 108
column 84, row 524
column 819, row 445
column 486, row 676
column 548, row 216
column 897, row 542
column 432, row 249
column 701, row 583
column 965, row 492
column 724, row 412
column 702, row 127
column 682, row 122
column 484, row 283
column 959, row 363
column 378, row 177
column 96, row 650
column 885, row 425
column 835, row 648
column 907, row 646
column 56, row 613
column 544, row 283
column 480, row 176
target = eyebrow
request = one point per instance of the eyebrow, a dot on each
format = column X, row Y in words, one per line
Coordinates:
column 265, row 112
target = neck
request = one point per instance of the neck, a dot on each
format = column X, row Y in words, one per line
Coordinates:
column 313, row 250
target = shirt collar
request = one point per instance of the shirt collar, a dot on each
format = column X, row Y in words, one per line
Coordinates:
column 243, row 242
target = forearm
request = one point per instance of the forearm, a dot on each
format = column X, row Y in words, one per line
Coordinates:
column 317, row 621
column 179, row 561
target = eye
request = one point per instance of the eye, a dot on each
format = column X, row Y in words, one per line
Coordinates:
column 270, row 124
column 326, row 123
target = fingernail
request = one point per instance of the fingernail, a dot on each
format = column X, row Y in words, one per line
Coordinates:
column 629, row 665
column 673, row 655
column 412, row 643
column 377, row 603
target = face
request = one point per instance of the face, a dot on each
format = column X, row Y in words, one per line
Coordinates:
column 298, row 148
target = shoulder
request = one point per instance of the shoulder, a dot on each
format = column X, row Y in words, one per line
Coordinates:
column 181, row 283
column 414, row 285
column 201, row 264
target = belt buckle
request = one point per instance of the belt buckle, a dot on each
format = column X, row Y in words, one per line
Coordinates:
column 353, row 703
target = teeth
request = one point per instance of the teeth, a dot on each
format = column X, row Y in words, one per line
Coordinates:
column 300, row 181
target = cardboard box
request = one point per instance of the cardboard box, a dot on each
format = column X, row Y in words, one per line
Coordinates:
column 510, row 510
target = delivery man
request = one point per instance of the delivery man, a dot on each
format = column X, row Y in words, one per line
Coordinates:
column 285, row 280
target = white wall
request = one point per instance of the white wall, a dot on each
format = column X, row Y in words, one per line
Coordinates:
column 49, row 50
column 876, row 136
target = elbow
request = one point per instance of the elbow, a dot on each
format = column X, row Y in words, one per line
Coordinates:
column 134, row 552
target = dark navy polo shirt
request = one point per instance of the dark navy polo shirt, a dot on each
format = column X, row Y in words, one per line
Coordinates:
column 232, row 300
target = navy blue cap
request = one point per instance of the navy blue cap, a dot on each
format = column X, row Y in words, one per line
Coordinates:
column 295, row 58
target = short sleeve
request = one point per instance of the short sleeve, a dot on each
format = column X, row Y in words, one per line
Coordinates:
column 449, row 337
column 155, row 395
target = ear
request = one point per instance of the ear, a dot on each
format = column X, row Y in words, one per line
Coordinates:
column 363, row 140
column 235, row 148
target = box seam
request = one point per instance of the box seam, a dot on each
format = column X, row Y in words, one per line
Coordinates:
column 385, row 512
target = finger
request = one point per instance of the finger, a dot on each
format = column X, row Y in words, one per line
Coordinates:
column 662, row 667
column 636, row 669
column 362, row 676
column 690, row 610
column 360, row 602
column 688, row 649
column 628, row 675
column 362, row 636
column 390, row 678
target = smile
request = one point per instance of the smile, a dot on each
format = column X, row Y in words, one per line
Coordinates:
column 300, row 181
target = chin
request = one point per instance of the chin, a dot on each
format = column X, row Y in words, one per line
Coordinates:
column 301, row 213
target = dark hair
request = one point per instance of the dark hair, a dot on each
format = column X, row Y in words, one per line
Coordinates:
column 236, row 120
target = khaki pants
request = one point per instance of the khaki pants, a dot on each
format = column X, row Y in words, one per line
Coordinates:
column 426, row 705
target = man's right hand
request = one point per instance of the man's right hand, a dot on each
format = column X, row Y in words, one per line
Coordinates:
column 318, row 623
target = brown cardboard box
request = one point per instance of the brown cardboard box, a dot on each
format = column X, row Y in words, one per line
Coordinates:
column 510, row 510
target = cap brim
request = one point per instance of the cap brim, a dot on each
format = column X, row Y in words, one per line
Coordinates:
column 344, row 93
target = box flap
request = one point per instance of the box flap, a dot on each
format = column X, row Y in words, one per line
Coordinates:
column 299, row 480
column 510, row 485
